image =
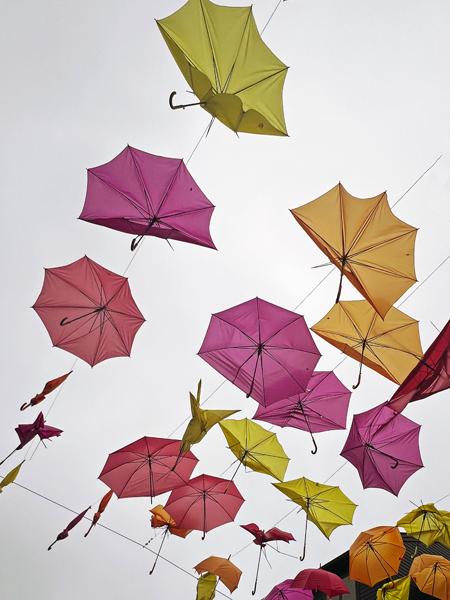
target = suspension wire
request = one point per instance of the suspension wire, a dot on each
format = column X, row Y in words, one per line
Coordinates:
column 417, row 181
column 421, row 283
column 313, row 290
column 208, row 127
column 270, row 18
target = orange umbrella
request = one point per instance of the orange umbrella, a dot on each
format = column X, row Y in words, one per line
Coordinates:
column 161, row 518
column 376, row 555
column 48, row 388
column 431, row 574
column 101, row 507
column 225, row 570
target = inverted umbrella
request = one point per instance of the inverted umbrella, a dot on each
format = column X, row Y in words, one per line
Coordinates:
column 48, row 388
column 143, row 194
column 390, row 347
column 429, row 376
column 322, row 407
column 431, row 574
column 325, row 505
column 226, row 571
column 237, row 79
column 426, row 523
column 284, row 591
column 88, row 311
column 161, row 518
column 320, row 580
column 255, row 447
column 147, row 467
column 384, row 447
column 375, row 555
column 368, row 244
column 265, row 350
column 65, row 532
column 398, row 589
column 204, row 503
column 101, row 508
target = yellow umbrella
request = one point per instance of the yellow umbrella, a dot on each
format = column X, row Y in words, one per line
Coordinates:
column 325, row 505
column 237, row 79
column 390, row 347
column 10, row 477
column 206, row 586
column 368, row 244
column 255, row 447
column 426, row 523
column 201, row 422
column 398, row 589
column 431, row 574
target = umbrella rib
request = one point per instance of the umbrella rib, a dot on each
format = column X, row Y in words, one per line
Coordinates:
column 214, row 63
column 366, row 223
column 384, row 243
column 169, row 187
column 130, row 200
column 74, row 287
column 260, row 81
column 146, row 192
column 227, row 82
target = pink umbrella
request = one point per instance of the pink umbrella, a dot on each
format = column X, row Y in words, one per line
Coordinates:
column 65, row 532
column 265, row 350
column 384, row 446
column 143, row 194
column 147, row 467
column 320, row 580
column 88, row 311
column 204, row 503
column 284, row 591
column 430, row 375
column 27, row 432
column 322, row 407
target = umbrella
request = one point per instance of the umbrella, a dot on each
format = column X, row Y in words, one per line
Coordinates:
column 206, row 586
column 390, row 347
column 367, row 243
column 426, row 523
column 375, row 555
column 384, row 447
column 284, row 591
column 10, row 477
column 65, row 532
column 255, row 447
column 431, row 574
column 147, row 467
column 204, row 503
column 88, row 311
column 143, row 194
column 225, row 570
column 237, row 79
column 395, row 590
column 48, row 388
column 325, row 505
column 322, row 407
column 320, row 580
column 429, row 376
column 161, row 518
column 262, row 538
column 101, row 507
column 265, row 350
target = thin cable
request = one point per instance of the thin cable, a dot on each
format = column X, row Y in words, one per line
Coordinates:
column 270, row 18
column 134, row 256
column 417, row 181
column 421, row 284
column 208, row 127
column 313, row 290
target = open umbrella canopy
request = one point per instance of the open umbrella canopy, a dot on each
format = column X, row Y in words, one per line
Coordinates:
column 431, row 574
column 284, row 591
column 390, row 347
column 265, row 350
column 237, row 79
column 226, row 571
column 88, row 311
column 255, row 447
column 320, row 580
column 426, row 523
column 398, row 589
column 368, row 244
column 147, row 467
column 143, row 194
column 384, row 447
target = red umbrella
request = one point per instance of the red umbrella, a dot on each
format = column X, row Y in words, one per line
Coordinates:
column 320, row 580
column 48, row 388
column 147, row 467
column 101, row 508
column 204, row 503
column 65, row 532
column 88, row 311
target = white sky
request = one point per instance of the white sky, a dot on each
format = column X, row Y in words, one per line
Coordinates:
column 366, row 103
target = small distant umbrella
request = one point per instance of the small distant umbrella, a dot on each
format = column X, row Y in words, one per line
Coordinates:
column 320, row 580
column 103, row 504
column 426, row 523
column 384, row 447
column 284, row 591
column 48, row 388
column 227, row 572
column 10, row 478
column 398, row 589
column 206, row 587
column 161, row 519
column 375, row 555
column 431, row 574
column 71, row 525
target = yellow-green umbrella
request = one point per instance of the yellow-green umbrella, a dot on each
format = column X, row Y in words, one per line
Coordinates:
column 325, row 505
column 10, row 477
column 206, row 586
column 398, row 589
column 426, row 523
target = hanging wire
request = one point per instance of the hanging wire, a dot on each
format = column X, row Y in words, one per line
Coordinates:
column 426, row 279
column 270, row 18
column 417, row 181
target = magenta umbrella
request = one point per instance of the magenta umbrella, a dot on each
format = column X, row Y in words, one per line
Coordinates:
column 265, row 350
column 322, row 407
column 143, row 194
column 284, row 591
column 430, row 375
column 27, row 432
column 65, row 532
column 88, row 311
column 147, row 467
column 384, row 447
column 320, row 580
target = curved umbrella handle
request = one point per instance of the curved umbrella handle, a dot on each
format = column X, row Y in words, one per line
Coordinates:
column 25, row 405
column 135, row 243
column 315, row 446
column 63, row 322
column 302, row 557
column 183, row 106
column 396, row 463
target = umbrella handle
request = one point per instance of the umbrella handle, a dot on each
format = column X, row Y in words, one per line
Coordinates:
column 302, row 557
column 25, row 405
column 183, row 106
column 396, row 464
column 315, row 446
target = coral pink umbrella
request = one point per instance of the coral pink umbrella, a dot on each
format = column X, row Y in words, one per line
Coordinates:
column 29, row 431
column 88, row 311
column 204, row 503
column 147, row 467
column 320, row 580
column 143, row 194
column 265, row 350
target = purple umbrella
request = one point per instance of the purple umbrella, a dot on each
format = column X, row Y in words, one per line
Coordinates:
column 143, row 194
column 322, row 407
column 283, row 591
column 65, row 532
column 384, row 446
column 265, row 350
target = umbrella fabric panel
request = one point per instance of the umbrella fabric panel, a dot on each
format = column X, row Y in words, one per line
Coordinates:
column 283, row 591
column 320, row 580
column 376, row 554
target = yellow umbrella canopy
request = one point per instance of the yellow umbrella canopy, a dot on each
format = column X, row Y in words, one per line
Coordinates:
column 390, row 347
column 431, row 574
column 325, row 505
column 368, row 244
column 232, row 72
column 426, row 523
column 255, row 447
column 201, row 421
column 444, row 536
column 395, row 590
column 206, row 586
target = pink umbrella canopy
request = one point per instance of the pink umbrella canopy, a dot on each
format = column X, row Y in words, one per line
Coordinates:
column 320, row 580
column 284, row 591
column 430, row 375
column 88, row 311
column 271, row 535
column 322, row 407
column 27, row 432
column 204, row 503
column 265, row 350
column 384, row 447
column 143, row 194
column 147, row 467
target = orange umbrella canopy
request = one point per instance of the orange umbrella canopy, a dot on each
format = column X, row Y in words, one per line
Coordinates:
column 376, row 554
column 225, row 570
column 431, row 574
column 362, row 237
column 161, row 518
